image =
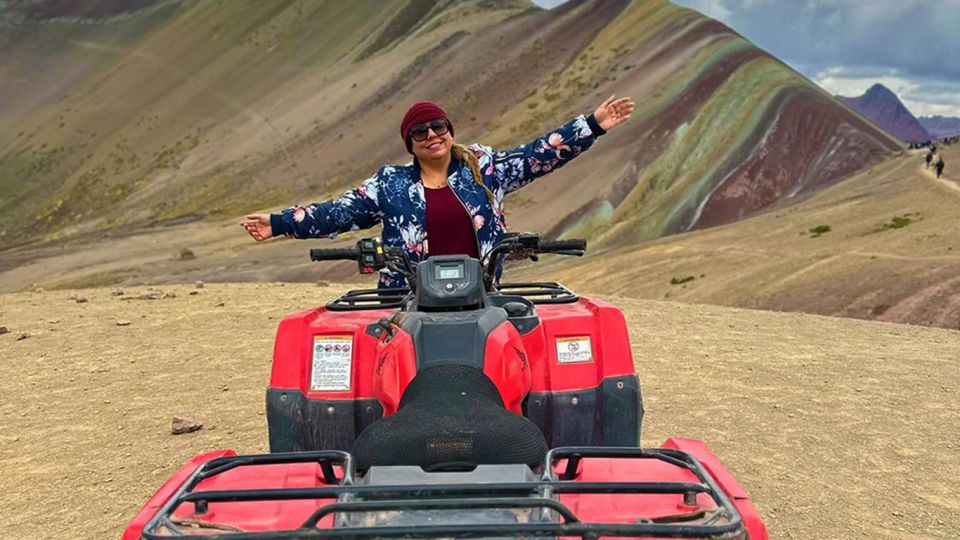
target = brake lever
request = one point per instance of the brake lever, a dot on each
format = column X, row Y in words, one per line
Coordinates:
column 520, row 253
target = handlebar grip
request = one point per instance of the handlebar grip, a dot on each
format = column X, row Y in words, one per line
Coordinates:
column 561, row 245
column 345, row 254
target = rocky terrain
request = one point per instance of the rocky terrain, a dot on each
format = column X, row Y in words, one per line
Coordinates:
column 837, row 428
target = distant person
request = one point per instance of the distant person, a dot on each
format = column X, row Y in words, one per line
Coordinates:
column 929, row 159
column 451, row 194
column 939, row 166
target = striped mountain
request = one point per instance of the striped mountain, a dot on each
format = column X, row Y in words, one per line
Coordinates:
column 144, row 113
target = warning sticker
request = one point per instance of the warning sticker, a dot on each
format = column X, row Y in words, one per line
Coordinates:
column 331, row 363
column 574, row 349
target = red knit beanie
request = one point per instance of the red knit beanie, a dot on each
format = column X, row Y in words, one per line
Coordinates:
column 420, row 113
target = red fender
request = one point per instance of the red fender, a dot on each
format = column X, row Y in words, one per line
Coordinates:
column 506, row 363
column 166, row 491
column 395, row 367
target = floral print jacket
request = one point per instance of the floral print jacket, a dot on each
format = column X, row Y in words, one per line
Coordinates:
column 394, row 196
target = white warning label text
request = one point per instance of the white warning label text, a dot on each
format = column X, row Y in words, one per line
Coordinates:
column 331, row 363
column 574, row 349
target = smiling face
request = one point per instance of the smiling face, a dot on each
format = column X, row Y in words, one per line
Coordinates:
column 434, row 147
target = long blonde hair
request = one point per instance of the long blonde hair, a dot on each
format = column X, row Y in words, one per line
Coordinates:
column 465, row 155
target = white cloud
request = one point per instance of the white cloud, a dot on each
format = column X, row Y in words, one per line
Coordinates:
column 548, row 4
column 714, row 8
column 837, row 83
column 917, row 37
column 911, row 46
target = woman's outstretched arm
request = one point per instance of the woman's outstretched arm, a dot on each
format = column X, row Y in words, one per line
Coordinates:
column 513, row 169
column 356, row 209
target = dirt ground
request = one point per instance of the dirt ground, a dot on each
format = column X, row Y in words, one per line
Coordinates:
column 837, row 428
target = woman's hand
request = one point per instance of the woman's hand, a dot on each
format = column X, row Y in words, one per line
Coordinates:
column 258, row 225
column 611, row 113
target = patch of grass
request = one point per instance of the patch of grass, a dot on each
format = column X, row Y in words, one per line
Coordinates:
column 899, row 222
column 819, row 230
column 681, row 280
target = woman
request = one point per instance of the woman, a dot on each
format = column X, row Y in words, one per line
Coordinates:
column 451, row 194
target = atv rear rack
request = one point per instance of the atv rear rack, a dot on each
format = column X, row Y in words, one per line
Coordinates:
column 538, row 496
column 542, row 292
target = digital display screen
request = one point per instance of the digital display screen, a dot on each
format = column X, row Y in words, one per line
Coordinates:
column 449, row 271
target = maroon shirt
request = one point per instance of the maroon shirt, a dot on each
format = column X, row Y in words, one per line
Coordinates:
column 449, row 226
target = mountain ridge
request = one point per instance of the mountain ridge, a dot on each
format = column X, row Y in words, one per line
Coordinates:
column 210, row 110
column 197, row 105
column 941, row 126
column 882, row 106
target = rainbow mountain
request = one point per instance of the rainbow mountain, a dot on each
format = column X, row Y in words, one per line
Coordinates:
column 128, row 115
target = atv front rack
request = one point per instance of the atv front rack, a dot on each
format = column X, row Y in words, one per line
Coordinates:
column 540, row 496
column 364, row 299
column 541, row 292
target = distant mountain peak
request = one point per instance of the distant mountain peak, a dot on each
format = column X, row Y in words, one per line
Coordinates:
column 879, row 89
column 884, row 108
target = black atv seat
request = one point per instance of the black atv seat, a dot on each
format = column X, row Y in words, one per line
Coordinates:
column 450, row 417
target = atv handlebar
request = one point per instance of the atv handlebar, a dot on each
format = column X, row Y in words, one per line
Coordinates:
column 551, row 246
column 371, row 255
column 335, row 254
column 526, row 246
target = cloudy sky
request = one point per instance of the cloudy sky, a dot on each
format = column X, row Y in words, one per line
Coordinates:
column 911, row 46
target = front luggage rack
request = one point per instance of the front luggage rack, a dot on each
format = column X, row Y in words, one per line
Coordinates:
column 539, row 292
column 363, row 299
column 537, row 495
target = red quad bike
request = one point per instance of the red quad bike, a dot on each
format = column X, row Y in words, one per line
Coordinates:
column 460, row 407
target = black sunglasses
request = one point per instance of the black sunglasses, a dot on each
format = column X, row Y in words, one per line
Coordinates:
column 420, row 132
